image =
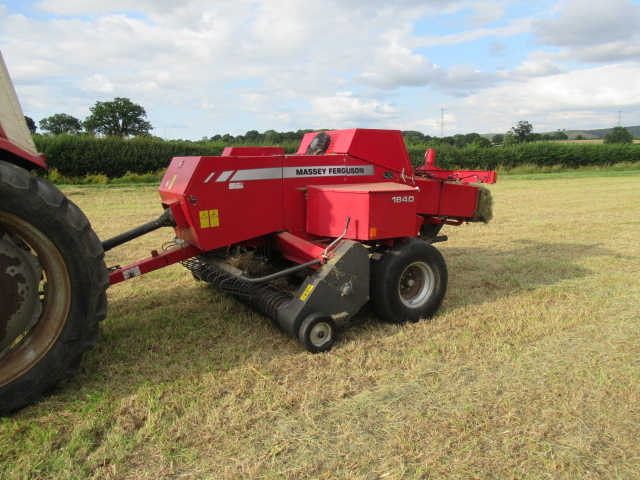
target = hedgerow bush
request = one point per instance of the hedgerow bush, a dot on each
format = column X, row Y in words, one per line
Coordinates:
column 542, row 154
column 83, row 156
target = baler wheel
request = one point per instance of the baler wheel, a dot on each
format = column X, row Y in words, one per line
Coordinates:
column 54, row 283
column 408, row 282
column 317, row 333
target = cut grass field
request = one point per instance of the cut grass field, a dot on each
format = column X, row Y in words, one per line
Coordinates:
column 530, row 370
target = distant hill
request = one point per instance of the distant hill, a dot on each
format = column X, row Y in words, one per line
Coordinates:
column 586, row 134
column 635, row 131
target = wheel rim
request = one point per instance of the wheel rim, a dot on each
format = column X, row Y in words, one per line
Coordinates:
column 320, row 334
column 52, row 302
column 416, row 284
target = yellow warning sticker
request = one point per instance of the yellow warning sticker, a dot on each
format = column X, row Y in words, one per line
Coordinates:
column 306, row 292
column 214, row 220
column 204, row 218
column 172, row 180
column 209, row 218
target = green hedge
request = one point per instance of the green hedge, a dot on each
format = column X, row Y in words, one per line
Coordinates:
column 81, row 155
column 542, row 154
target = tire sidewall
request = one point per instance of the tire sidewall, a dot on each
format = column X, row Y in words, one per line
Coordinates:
column 387, row 272
column 307, row 325
column 62, row 222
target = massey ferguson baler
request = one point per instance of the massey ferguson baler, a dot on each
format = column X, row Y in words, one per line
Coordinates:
column 306, row 239
column 347, row 216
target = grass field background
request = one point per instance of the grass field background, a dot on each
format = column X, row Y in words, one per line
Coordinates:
column 531, row 369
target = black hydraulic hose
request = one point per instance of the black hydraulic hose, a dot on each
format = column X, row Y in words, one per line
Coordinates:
column 164, row 220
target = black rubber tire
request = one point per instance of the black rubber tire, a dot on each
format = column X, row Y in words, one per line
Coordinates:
column 416, row 263
column 74, row 299
column 317, row 333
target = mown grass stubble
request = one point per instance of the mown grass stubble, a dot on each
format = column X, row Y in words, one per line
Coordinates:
column 530, row 370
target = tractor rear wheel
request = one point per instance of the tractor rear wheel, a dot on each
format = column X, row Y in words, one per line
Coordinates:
column 408, row 282
column 53, row 282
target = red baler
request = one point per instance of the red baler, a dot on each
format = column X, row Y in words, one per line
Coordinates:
column 347, row 214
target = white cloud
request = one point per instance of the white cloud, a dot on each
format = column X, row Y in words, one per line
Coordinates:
column 602, row 21
column 487, row 12
column 497, row 49
column 538, row 68
column 345, row 109
column 214, row 66
column 98, row 83
column 514, row 27
column 464, row 79
column 606, row 31
column 394, row 66
column 543, row 100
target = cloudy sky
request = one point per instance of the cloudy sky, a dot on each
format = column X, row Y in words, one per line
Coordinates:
column 205, row 67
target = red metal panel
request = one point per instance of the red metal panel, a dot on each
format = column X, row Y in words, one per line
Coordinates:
column 300, row 171
column 429, row 197
column 385, row 148
column 458, row 200
column 226, row 199
column 13, row 148
column 252, row 151
column 377, row 210
column 296, row 248
column 178, row 175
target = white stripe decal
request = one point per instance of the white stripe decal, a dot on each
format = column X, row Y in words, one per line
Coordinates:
column 209, row 177
column 224, row 176
column 258, row 174
column 278, row 173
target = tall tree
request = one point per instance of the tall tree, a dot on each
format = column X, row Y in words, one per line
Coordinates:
column 413, row 137
column 618, row 135
column 120, row 118
column 481, row 142
column 31, row 125
column 522, row 133
column 60, row 123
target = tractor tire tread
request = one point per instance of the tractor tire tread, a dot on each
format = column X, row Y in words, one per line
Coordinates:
column 386, row 270
column 62, row 219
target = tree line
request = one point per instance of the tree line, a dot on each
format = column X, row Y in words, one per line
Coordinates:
column 523, row 133
column 124, row 119
column 119, row 117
